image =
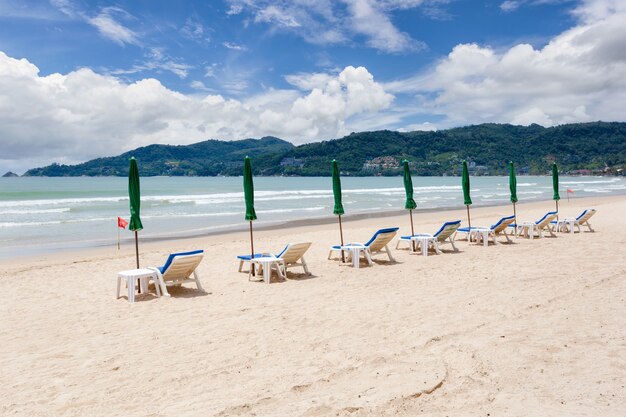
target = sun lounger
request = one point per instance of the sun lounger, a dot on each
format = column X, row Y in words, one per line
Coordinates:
column 581, row 220
column 493, row 231
column 443, row 235
column 292, row 256
column 178, row 269
column 377, row 244
column 529, row 229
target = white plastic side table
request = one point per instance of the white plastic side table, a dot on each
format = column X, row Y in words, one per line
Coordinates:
column 355, row 252
column 424, row 242
column 528, row 229
column 483, row 232
column 134, row 276
column 563, row 223
column 266, row 263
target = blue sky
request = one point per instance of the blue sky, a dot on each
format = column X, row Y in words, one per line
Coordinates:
column 82, row 79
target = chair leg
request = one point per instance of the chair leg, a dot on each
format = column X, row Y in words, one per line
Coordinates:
column 197, row 279
column 436, row 246
column 391, row 259
column 119, row 284
column 452, row 243
column 157, row 285
column 240, row 265
column 330, row 252
column 304, row 265
column 368, row 256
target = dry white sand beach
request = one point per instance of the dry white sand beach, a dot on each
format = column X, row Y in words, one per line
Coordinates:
column 533, row 328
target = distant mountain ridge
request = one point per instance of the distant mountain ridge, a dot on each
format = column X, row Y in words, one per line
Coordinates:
column 591, row 147
column 207, row 158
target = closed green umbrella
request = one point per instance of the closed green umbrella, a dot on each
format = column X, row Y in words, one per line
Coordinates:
column 555, row 186
column 467, row 200
column 338, row 208
column 248, row 192
column 135, row 203
column 513, row 187
column 408, row 188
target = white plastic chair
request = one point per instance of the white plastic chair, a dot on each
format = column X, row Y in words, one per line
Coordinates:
column 178, row 269
column 378, row 243
column 443, row 235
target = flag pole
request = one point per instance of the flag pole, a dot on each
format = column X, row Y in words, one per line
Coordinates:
column 118, row 235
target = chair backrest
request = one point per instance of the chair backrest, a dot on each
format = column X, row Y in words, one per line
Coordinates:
column 545, row 220
column 502, row 224
column 447, row 230
column 381, row 238
column 181, row 265
column 586, row 215
column 294, row 251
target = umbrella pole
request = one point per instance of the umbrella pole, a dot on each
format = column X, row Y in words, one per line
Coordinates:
column 137, row 248
column 468, row 217
column 252, row 249
column 514, row 213
column 137, row 256
column 557, row 209
column 343, row 257
column 412, row 230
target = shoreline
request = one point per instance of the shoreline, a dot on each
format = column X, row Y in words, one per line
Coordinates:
column 287, row 226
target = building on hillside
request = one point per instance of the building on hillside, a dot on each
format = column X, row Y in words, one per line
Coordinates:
column 381, row 163
column 292, row 162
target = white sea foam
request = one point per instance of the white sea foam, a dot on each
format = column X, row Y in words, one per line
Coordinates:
column 42, row 211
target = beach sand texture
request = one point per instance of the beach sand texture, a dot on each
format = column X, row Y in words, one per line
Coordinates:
column 534, row 328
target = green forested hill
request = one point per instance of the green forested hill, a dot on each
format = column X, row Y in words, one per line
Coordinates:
column 591, row 146
column 211, row 157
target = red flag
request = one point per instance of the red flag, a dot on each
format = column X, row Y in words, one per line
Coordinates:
column 121, row 223
column 570, row 191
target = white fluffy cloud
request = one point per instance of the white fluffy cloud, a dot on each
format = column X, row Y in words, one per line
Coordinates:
column 328, row 22
column 578, row 76
column 82, row 114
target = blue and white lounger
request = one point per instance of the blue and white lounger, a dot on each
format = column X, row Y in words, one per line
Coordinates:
column 528, row 229
column 495, row 230
column 178, row 269
column 292, row 255
column 377, row 244
column 581, row 220
column 443, row 235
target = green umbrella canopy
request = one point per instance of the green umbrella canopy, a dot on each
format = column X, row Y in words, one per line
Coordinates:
column 134, row 196
column 555, row 182
column 338, row 209
column 408, row 187
column 512, row 182
column 465, row 182
column 248, row 189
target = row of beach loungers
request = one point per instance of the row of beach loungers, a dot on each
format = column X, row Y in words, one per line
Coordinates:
column 180, row 268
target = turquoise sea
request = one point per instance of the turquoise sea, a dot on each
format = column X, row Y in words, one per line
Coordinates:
column 47, row 214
